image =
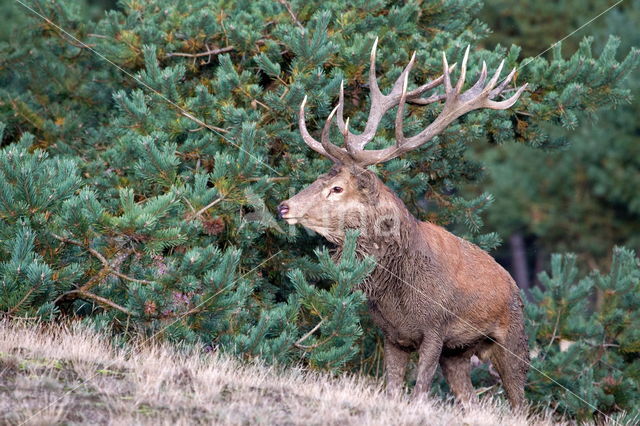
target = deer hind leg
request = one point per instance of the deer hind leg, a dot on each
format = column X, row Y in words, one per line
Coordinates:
column 510, row 357
column 456, row 368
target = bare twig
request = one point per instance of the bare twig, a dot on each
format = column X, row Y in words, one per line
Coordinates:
column 202, row 123
column 485, row 389
column 98, row 36
column 17, row 305
column 553, row 336
column 108, row 268
column 208, row 52
column 95, row 280
column 99, row 277
column 287, row 6
column 204, row 209
column 201, row 307
column 208, row 206
column 306, row 336
column 99, row 299
column 270, row 179
column 186, row 200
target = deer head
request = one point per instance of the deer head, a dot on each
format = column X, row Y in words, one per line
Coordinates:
column 347, row 196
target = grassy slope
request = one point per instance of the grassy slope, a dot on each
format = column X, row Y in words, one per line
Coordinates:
column 73, row 376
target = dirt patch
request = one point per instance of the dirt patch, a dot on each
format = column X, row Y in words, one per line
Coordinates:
column 9, row 368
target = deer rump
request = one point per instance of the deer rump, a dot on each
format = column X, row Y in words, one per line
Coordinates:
column 430, row 292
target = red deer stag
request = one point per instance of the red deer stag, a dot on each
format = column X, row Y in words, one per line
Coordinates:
column 431, row 291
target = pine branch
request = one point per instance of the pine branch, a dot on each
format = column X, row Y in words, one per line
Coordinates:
column 108, row 268
column 99, row 299
column 101, row 275
column 24, row 299
column 202, row 306
column 208, row 52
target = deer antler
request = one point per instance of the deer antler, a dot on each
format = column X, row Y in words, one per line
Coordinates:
column 456, row 104
column 380, row 103
column 324, row 147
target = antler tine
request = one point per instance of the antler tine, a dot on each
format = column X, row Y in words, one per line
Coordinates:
column 339, row 154
column 345, row 135
column 308, row 139
column 508, row 103
column 447, row 76
column 324, row 136
column 340, row 116
column 427, row 86
column 495, row 92
column 463, row 70
column 325, row 147
column 373, row 81
column 357, row 142
column 400, row 82
column 400, row 112
column 495, row 78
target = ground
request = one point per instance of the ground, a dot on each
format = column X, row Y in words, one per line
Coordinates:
column 73, row 376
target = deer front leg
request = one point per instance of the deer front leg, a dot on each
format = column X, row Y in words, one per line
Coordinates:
column 395, row 365
column 429, row 351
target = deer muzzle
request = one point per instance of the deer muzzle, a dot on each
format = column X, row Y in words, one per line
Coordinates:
column 283, row 209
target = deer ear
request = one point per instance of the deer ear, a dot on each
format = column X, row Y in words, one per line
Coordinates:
column 367, row 183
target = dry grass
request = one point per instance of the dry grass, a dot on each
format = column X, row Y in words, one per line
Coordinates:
column 74, row 376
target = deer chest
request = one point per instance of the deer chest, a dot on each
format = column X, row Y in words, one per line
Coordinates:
column 396, row 324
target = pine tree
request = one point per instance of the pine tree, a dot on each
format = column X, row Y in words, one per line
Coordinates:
column 143, row 154
column 583, row 197
column 592, row 350
column 536, row 25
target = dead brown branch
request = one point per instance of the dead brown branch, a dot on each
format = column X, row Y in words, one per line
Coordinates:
column 208, row 206
column 298, row 343
column 80, row 294
column 17, row 305
column 202, row 123
column 287, row 6
column 108, row 269
column 208, row 52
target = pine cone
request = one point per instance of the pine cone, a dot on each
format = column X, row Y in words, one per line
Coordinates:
column 150, row 307
column 213, row 226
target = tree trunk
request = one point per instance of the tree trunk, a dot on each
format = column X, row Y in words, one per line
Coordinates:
column 541, row 262
column 519, row 266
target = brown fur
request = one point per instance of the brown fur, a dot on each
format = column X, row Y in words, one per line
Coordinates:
column 431, row 291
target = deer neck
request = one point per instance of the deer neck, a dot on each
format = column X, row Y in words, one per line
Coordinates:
column 389, row 232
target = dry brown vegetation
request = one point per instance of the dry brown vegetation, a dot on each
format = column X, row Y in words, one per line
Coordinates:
column 72, row 375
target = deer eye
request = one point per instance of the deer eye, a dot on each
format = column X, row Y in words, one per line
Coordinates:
column 336, row 189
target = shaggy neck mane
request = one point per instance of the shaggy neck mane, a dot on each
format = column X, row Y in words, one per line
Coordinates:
column 390, row 234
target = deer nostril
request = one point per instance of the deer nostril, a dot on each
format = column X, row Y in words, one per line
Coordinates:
column 283, row 209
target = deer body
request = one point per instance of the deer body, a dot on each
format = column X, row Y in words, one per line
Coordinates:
column 430, row 291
